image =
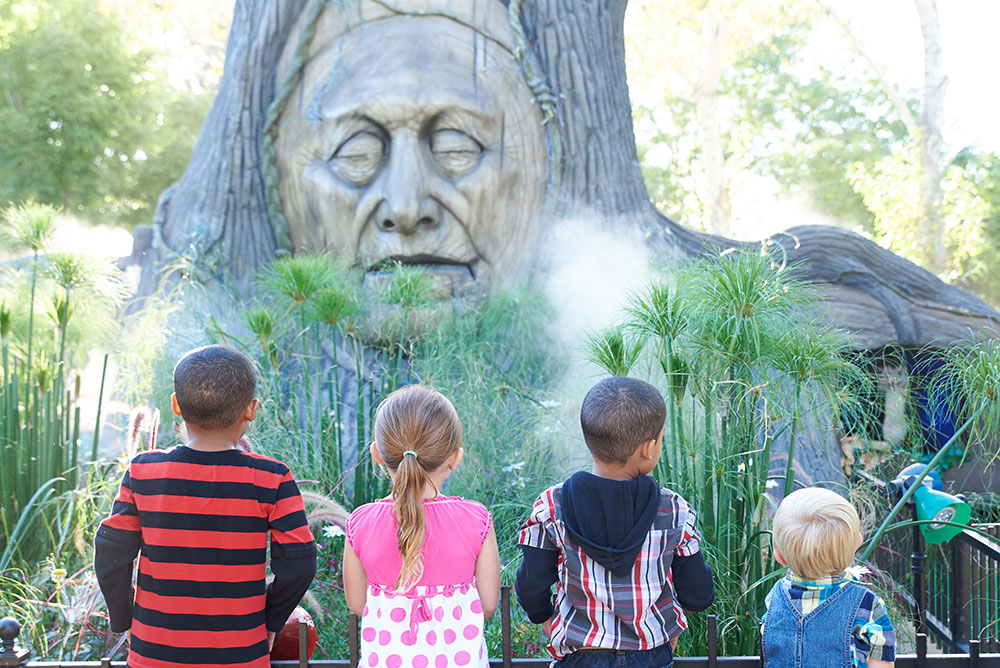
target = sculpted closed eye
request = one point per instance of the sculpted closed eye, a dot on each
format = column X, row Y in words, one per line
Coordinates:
column 456, row 153
column 357, row 160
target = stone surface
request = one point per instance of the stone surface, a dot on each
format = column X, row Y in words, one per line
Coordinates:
column 414, row 139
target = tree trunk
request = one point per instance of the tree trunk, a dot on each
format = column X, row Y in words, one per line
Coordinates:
column 930, row 227
column 581, row 48
column 218, row 208
column 706, row 101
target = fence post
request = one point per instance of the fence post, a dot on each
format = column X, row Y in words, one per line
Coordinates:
column 353, row 640
column 921, row 650
column 961, row 593
column 10, row 628
column 713, row 643
column 303, row 645
column 917, row 558
column 505, row 640
column 973, row 654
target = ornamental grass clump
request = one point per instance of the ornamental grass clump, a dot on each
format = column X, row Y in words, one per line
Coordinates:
column 969, row 375
column 294, row 282
column 310, row 306
column 613, row 350
column 29, row 226
column 39, row 416
column 735, row 343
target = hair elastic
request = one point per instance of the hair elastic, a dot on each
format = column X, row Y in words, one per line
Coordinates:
column 410, row 452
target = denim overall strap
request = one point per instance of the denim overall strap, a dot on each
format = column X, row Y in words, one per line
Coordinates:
column 821, row 638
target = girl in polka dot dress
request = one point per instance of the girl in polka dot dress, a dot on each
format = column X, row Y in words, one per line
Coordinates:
column 422, row 570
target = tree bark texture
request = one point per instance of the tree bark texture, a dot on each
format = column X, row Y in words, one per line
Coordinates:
column 880, row 297
column 930, row 226
column 706, row 100
column 218, row 208
column 580, row 45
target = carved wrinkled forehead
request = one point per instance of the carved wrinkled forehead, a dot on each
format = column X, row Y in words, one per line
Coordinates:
column 407, row 62
column 488, row 20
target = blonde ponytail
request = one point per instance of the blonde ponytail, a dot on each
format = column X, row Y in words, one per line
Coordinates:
column 416, row 430
column 407, row 496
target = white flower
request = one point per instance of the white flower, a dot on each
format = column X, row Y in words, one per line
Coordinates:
column 333, row 530
column 514, row 467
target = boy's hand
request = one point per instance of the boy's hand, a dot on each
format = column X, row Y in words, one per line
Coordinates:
column 673, row 644
column 270, row 640
column 547, row 626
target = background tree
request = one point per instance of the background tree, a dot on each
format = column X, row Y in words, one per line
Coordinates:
column 92, row 116
column 840, row 133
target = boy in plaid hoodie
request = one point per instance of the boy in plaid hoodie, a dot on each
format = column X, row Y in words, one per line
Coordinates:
column 621, row 550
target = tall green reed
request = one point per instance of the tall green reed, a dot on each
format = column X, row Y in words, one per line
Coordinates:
column 735, row 343
column 39, row 416
column 29, row 226
column 969, row 377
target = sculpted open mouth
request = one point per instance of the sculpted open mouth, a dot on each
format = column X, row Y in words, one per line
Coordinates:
column 449, row 278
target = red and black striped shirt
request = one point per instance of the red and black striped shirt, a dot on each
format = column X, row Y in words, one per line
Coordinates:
column 200, row 522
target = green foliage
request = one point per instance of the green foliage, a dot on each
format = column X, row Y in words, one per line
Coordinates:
column 735, row 342
column 612, row 351
column 39, row 418
column 29, row 225
column 299, row 277
column 409, row 286
column 89, row 120
column 970, row 372
column 831, row 132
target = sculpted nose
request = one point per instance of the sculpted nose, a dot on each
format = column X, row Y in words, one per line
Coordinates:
column 407, row 205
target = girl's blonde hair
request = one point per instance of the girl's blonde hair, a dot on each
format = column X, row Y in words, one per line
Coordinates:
column 416, row 430
column 817, row 532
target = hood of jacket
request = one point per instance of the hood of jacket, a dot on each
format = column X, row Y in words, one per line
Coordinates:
column 609, row 519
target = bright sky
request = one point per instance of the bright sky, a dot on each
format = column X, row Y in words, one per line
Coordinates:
column 890, row 29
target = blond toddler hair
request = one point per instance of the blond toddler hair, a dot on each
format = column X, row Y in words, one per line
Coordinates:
column 816, row 532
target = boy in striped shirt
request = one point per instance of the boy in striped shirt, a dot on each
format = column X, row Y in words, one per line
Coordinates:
column 621, row 550
column 199, row 517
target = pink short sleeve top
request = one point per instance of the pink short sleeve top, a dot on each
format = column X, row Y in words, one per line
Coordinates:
column 456, row 529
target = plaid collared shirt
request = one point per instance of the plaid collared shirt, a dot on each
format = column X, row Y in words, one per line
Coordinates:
column 595, row 608
column 873, row 636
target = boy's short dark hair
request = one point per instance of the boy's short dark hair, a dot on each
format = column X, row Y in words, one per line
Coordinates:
column 214, row 385
column 619, row 414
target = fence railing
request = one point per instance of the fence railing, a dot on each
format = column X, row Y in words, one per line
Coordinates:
column 962, row 590
column 952, row 589
column 10, row 656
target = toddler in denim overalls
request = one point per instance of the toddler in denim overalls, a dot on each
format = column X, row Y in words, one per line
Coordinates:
column 818, row 615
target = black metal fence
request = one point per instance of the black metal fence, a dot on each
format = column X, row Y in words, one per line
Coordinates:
column 10, row 656
column 952, row 589
column 962, row 590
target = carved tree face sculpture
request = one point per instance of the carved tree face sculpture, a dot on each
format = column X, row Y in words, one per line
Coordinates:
column 413, row 139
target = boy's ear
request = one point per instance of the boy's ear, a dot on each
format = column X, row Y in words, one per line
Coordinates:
column 780, row 559
column 250, row 412
column 174, row 406
column 648, row 449
column 376, row 455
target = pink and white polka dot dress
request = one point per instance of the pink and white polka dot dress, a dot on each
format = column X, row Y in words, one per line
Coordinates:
column 439, row 622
